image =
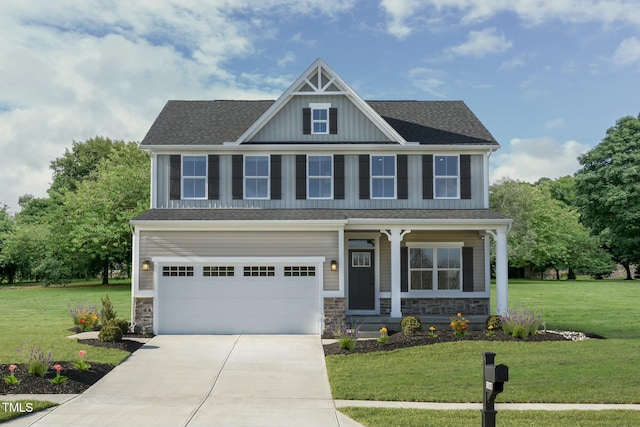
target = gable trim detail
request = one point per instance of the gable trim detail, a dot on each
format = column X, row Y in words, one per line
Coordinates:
column 327, row 83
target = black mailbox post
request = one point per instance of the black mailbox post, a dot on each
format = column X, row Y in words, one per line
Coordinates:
column 493, row 379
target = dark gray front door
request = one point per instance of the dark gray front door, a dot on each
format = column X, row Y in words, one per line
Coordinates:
column 362, row 291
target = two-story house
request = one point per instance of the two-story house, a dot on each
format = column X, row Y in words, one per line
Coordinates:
column 287, row 216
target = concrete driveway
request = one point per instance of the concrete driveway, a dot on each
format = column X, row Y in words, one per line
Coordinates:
column 223, row 380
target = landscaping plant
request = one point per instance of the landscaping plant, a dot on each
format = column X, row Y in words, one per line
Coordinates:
column 110, row 333
column 346, row 335
column 85, row 316
column 460, row 325
column 11, row 378
column 520, row 322
column 58, row 379
column 410, row 325
column 384, row 336
column 107, row 313
column 37, row 360
column 81, row 365
column 432, row 332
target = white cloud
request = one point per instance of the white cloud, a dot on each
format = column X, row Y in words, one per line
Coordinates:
column 482, row 43
column 627, row 52
column 72, row 70
column 297, row 38
column 286, row 59
column 402, row 14
column 554, row 124
column 429, row 80
column 531, row 159
column 399, row 11
column 511, row 64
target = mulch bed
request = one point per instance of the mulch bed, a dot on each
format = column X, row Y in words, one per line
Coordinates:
column 400, row 340
column 78, row 381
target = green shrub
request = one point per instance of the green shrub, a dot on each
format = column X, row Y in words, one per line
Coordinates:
column 495, row 321
column 37, row 360
column 110, row 333
column 410, row 325
column 107, row 313
column 122, row 324
column 520, row 322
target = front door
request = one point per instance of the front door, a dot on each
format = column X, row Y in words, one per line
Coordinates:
column 362, row 293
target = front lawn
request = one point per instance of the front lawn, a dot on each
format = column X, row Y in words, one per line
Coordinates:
column 594, row 371
column 32, row 315
column 385, row 417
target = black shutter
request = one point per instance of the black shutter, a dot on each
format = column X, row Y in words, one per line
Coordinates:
column 333, row 121
column 465, row 176
column 403, row 179
column 175, row 176
column 306, row 121
column 338, row 177
column 214, row 176
column 237, row 178
column 364, row 176
column 276, row 177
column 404, row 269
column 427, row 176
column 301, row 177
column 467, row 269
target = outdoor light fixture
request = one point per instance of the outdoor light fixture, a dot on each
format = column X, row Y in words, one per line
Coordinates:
column 334, row 265
column 146, row 265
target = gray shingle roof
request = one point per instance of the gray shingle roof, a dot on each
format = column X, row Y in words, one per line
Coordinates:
column 315, row 214
column 216, row 122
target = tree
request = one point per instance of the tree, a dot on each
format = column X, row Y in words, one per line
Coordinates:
column 562, row 189
column 79, row 163
column 7, row 224
column 98, row 213
column 546, row 233
column 608, row 190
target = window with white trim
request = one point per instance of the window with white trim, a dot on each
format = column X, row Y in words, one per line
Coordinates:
column 218, row 271
column 446, row 177
column 383, row 177
column 319, row 177
column 320, row 118
column 256, row 177
column 435, row 268
column 177, row 271
column 194, row 177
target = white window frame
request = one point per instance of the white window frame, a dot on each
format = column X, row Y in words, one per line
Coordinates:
column 437, row 177
column 319, row 177
column 320, row 107
column 434, row 270
column 262, row 177
column 383, row 177
column 194, row 177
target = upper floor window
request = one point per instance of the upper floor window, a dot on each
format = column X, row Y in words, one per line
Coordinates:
column 320, row 177
column 256, row 177
column 383, row 177
column 194, row 177
column 320, row 118
column 435, row 268
column 446, row 177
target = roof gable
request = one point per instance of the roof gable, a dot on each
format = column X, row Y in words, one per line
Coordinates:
column 320, row 80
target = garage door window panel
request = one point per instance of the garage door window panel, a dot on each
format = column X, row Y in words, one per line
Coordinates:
column 299, row 271
column 177, row 271
column 218, row 271
column 259, row 271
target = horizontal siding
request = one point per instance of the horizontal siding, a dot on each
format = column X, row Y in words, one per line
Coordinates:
column 240, row 244
column 351, row 200
column 286, row 126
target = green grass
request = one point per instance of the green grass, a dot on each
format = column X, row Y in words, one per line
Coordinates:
column 606, row 307
column 32, row 405
column 385, row 417
column 32, row 315
column 594, row 371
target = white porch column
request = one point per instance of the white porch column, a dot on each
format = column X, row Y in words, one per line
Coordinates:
column 502, row 271
column 395, row 236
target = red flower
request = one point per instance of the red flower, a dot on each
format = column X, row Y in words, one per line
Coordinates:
column 57, row 368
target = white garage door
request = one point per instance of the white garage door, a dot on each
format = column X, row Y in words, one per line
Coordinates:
column 236, row 298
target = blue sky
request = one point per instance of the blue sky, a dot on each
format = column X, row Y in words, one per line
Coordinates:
column 547, row 77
